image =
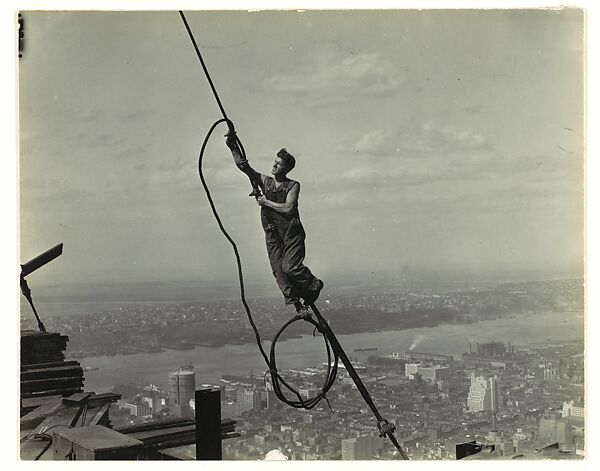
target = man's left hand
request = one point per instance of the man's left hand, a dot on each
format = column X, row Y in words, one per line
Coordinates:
column 261, row 200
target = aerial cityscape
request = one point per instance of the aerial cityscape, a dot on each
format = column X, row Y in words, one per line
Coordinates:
column 518, row 396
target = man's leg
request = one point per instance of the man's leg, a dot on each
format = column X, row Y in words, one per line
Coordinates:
column 293, row 267
column 275, row 251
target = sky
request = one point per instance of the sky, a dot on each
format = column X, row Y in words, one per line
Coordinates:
column 426, row 141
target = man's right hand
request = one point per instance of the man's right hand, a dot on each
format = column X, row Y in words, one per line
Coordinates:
column 231, row 140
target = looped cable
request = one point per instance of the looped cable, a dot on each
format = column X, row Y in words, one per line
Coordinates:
column 279, row 384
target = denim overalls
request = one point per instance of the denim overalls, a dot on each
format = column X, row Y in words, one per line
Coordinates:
column 284, row 236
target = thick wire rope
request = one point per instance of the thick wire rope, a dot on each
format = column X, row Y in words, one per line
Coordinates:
column 210, row 82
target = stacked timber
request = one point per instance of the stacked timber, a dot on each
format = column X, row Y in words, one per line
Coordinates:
column 42, row 347
column 44, row 371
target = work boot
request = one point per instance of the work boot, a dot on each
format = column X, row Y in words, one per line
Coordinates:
column 313, row 294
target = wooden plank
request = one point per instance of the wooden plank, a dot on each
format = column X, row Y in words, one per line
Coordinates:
column 157, row 424
column 101, row 417
column 97, row 438
column 54, row 364
column 31, row 449
column 168, row 438
column 55, row 372
column 164, row 433
column 77, row 398
column 51, row 392
column 26, row 410
column 96, row 399
column 38, row 385
column 53, row 339
column 38, row 401
column 42, row 358
column 44, row 347
column 226, row 424
column 40, row 413
column 34, row 335
column 64, row 417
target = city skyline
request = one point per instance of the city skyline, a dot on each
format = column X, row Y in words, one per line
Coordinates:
column 434, row 174
column 432, row 414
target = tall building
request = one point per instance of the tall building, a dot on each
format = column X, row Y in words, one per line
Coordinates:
column 434, row 373
column 549, row 371
column 427, row 373
column 248, row 399
column 181, row 390
column 138, row 407
column 157, row 404
column 182, row 385
column 484, row 394
column 272, row 399
column 361, row 448
column 556, row 430
column 491, row 349
column 572, row 411
column 410, row 369
column 504, row 445
column 154, row 401
column 229, row 409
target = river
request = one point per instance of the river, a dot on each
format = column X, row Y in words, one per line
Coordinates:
column 211, row 363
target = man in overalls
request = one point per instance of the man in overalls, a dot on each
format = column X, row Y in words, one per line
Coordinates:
column 284, row 233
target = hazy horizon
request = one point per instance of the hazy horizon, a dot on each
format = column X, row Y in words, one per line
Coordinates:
column 198, row 290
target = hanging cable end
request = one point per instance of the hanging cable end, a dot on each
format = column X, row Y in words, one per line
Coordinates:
column 255, row 193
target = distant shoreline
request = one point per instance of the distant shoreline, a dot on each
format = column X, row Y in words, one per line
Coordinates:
column 227, row 342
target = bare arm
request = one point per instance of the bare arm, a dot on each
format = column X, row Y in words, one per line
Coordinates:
column 291, row 201
column 243, row 163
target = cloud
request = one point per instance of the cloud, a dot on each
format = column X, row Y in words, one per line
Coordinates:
column 429, row 152
column 136, row 115
column 104, row 140
column 89, row 115
column 334, row 77
column 227, row 176
column 181, row 176
column 417, row 155
column 362, row 174
column 335, row 199
column 426, row 138
column 173, row 164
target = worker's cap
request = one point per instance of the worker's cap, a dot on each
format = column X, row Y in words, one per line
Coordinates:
column 289, row 160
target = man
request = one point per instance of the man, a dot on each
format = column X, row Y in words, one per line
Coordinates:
column 284, row 233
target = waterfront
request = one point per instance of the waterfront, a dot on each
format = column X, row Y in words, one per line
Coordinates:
column 212, row 363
